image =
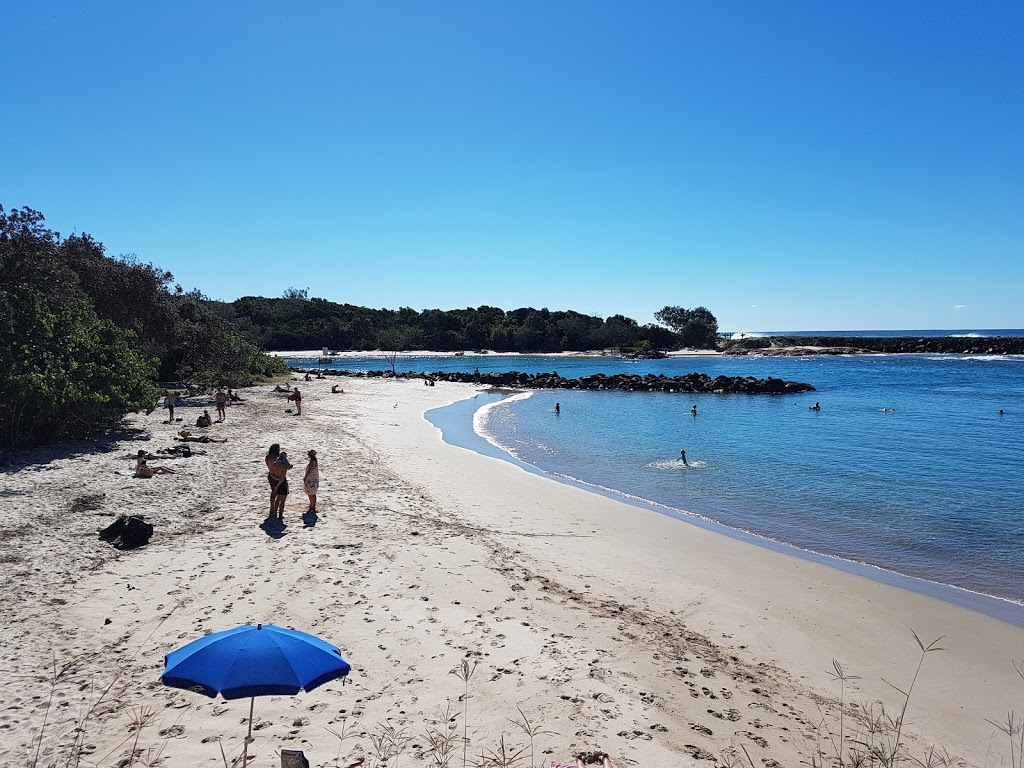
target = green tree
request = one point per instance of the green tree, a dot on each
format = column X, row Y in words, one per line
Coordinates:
column 696, row 327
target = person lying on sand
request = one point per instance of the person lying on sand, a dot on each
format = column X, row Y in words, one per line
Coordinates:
column 188, row 436
column 285, row 388
column 142, row 469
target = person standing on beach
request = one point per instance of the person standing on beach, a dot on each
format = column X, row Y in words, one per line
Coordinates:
column 296, row 397
column 272, row 453
column 311, row 479
column 222, row 401
column 279, row 484
column 169, row 399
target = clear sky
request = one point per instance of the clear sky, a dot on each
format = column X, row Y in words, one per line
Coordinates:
column 789, row 165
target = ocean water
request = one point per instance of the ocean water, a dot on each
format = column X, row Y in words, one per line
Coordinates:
column 908, row 466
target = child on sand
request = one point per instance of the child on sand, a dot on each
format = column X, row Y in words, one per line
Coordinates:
column 311, row 480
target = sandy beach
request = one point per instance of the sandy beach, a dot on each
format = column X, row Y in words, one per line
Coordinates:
column 612, row 628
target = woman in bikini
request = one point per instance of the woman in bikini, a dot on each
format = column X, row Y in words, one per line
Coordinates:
column 279, row 484
column 142, row 469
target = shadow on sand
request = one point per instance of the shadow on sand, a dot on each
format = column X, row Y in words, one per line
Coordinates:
column 310, row 518
column 274, row 528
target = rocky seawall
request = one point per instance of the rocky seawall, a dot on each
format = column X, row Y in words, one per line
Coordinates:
column 619, row 382
column 844, row 345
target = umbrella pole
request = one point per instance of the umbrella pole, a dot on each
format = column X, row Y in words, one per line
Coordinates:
column 248, row 738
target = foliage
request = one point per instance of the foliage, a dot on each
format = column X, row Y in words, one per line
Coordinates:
column 296, row 323
column 696, row 327
column 84, row 336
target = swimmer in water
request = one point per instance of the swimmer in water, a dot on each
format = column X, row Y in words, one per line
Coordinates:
column 1001, row 412
column 682, row 456
column 558, row 408
column 815, row 407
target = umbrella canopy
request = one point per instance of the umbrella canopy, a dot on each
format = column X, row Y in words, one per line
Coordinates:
column 261, row 660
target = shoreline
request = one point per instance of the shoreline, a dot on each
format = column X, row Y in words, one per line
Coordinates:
column 1001, row 608
column 612, row 626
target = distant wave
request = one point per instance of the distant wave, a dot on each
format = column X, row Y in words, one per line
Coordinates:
column 968, row 335
column 747, row 336
column 976, row 358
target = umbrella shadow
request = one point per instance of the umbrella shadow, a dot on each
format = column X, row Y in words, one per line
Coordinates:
column 310, row 519
column 274, row 527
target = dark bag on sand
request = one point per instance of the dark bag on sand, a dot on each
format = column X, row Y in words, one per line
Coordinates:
column 127, row 532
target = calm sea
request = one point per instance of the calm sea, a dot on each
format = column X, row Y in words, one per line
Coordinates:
column 908, row 466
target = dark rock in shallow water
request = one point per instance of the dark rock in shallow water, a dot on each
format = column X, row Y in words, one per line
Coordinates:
column 128, row 532
column 619, row 382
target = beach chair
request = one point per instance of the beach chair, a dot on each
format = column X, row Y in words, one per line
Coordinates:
column 293, row 758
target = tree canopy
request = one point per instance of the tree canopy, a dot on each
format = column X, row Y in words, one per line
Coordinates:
column 84, row 337
column 299, row 323
column 697, row 327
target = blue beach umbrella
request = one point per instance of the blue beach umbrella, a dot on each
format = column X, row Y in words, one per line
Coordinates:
column 250, row 661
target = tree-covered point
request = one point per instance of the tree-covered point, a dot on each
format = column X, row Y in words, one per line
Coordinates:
column 300, row 323
column 84, row 337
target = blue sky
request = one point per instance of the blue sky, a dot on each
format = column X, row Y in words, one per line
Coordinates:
column 790, row 165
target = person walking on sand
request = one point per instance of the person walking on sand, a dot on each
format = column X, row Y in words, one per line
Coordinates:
column 311, row 479
column 279, row 484
column 222, row 400
column 169, row 399
column 296, row 397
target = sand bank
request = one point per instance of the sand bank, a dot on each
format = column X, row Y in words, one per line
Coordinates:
column 302, row 354
column 612, row 627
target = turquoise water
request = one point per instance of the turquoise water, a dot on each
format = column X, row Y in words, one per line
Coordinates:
column 908, row 465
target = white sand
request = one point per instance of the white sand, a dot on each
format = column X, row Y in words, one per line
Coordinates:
column 613, row 627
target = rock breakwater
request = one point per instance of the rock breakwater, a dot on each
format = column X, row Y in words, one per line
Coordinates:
column 619, row 382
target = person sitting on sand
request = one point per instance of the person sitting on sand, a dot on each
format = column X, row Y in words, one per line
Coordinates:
column 285, row 388
column 204, row 420
column 815, row 407
column 336, row 390
column 142, row 469
column 296, row 397
column 307, row 378
column 233, row 396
